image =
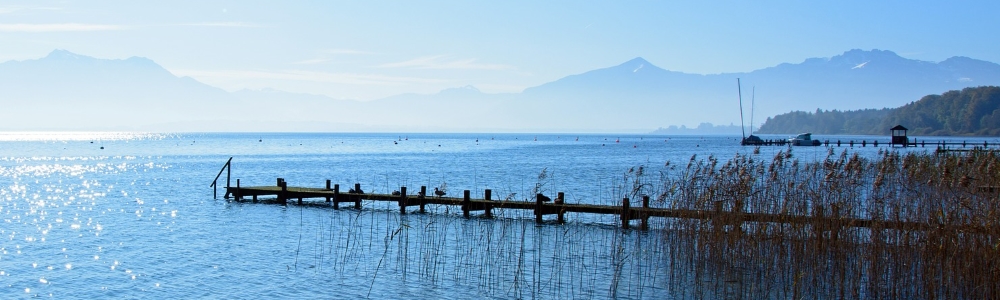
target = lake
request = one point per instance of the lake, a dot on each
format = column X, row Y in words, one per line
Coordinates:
column 132, row 215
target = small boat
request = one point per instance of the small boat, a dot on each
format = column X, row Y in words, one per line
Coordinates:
column 803, row 139
column 752, row 140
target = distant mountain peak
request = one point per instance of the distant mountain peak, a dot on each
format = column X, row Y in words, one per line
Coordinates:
column 858, row 56
column 64, row 54
column 637, row 60
column 635, row 64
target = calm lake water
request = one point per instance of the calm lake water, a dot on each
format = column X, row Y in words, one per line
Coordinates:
column 137, row 219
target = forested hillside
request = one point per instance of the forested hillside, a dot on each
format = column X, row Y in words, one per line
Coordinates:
column 971, row 111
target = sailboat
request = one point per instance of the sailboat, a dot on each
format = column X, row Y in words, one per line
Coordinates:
column 751, row 140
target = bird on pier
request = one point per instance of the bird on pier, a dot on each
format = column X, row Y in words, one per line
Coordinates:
column 544, row 198
column 438, row 192
column 395, row 193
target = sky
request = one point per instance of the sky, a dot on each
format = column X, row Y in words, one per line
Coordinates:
column 365, row 50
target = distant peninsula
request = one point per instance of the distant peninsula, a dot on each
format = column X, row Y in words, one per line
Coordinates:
column 702, row 129
column 973, row 111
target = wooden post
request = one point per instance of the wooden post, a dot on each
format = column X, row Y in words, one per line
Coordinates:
column 560, row 199
column 488, row 195
column 357, row 201
column 625, row 213
column 336, row 195
column 423, row 197
column 538, row 208
column 327, row 188
column 229, row 173
column 239, row 195
column 283, row 196
column 402, row 200
column 466, row 204
column 645, row 213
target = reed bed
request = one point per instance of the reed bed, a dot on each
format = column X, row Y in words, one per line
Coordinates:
column 933, row 233
column 899, row 225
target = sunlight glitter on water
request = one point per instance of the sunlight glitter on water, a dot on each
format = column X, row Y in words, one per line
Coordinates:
column 25, row 136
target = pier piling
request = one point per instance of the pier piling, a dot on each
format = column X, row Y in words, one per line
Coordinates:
column 466, row 204
column 625, row 213
column 336, row 196
column 560, row 200
column 538, row 208
column 488, row 196
column 423, row 198
column 357, row 199
column 327, row 188
column 402, row 200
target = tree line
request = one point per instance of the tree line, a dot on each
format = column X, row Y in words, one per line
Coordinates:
column 971, row 111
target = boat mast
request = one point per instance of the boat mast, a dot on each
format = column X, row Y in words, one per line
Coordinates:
column 753, row 96
column 740, row 91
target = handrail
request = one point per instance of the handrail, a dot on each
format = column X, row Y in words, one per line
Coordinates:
column 227, row 166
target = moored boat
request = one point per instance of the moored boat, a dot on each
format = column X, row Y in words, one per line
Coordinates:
column 803, row 139
column 752, row 140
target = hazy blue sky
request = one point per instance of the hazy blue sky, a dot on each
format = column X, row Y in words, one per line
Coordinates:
column 372, row 49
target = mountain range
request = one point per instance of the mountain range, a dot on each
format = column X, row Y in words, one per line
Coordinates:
column 68, row 91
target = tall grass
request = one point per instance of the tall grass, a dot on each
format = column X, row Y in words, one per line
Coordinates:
column 924, row 226
column 934, row 232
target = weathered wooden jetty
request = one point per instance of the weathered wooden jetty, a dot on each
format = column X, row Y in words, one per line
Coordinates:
column 723, row 216
column 898, row 137
column 728, row 214
column 876, row 143
column 332, row 194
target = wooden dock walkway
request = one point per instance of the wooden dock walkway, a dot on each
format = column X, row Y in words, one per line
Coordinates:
column 941, row 145
column 733, row 218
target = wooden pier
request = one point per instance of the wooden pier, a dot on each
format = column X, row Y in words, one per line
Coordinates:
column 875, row 143
column 722, row 218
